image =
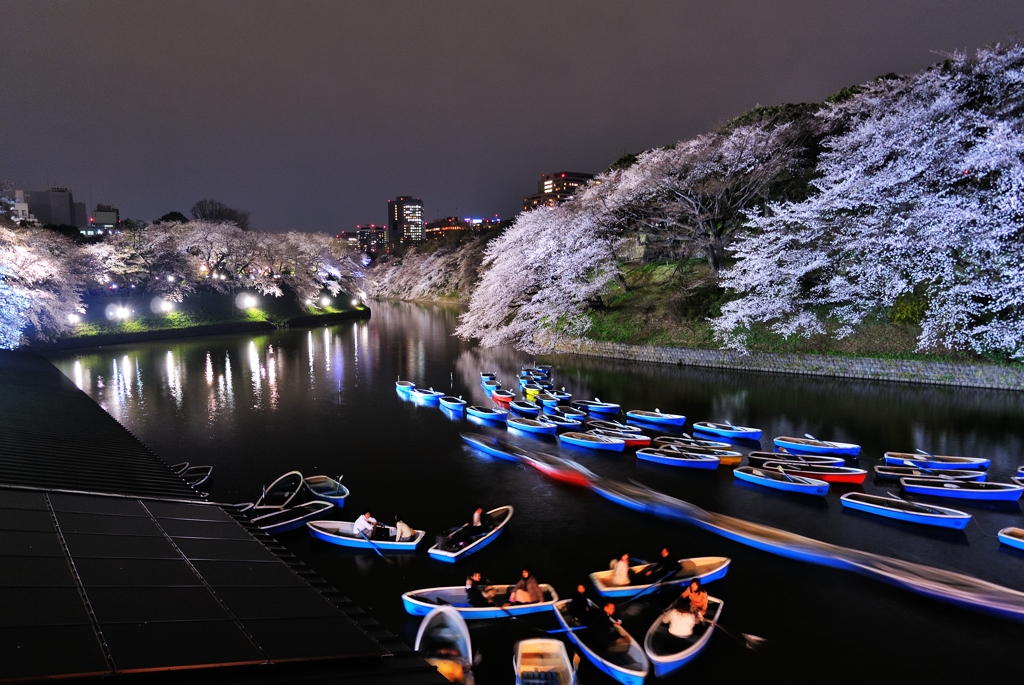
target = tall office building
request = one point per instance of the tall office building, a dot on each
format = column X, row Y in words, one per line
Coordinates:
column 405, row 220
column 553, row 188
column 372, row 239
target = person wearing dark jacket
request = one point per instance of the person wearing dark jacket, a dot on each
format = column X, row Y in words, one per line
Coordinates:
column 476, row 591
column 579, row 605
column 661, row 568
column 605, row 627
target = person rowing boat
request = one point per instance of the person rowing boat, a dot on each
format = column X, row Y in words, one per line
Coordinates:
column 526, row 591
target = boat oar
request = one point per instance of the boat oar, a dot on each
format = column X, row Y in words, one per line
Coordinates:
column 920, row 507
column 823, row 442
column 651, row 586
column 749, row 641
column 783, row 472
column 375, row 547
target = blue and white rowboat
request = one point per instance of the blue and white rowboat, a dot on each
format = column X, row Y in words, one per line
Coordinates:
column 663, row 440
column 727, row 430
column 592, row 442
column 524, row 408
column 668, row 652
column 542, row 660
column 487, row 414
column 427, row 396
column 629, row 667
column 453, row 403
column 546, row 399
column 344, row 534
column 608, row 425
column 781, row 481
column 897, row 472
column 814, row 446
column 404, row 386
column 657, row 417
column 520, row 423
column 963, row 489
column 704, row 569
column 1014, row 537
column 568, row 412
column 487, row 376
column 596, row 406
column 328, row 489
column 422, row 602
column 936, row 461
column 559, row 421
column 902, row 510
column 689, row 460
column 761, row 458
column 488, row 444
column 501, row 516
column 291, row 518
column 563, row 396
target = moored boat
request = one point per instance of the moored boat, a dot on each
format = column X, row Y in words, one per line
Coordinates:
column 782, row 481
column 542, row 661
column 443, row 641
column 567, row 412
column 657, row 417
column 725, row 457
column 444, row 551
column 488, row 444
column 503, row 396
column 629, row 667
column 663, row 440
column 897, row 472
column 562, row 396
column 524, row 408
column 704, row 569
column 560, row 421
column 490, row 384
column 760, row 458
column 487, row 413
column 827, row 472
column 546, row 399
column 487, row 376
column 531, row 390
column 344, row 534
column 936, row 461
column 592, row 442
column 668, row 652
column 328, row 489
column 1014, row 537
column 963, row 489
column 596, row 406
column 453, row 403
column 811, row 445
column 631, row 439
column 902, row 510
column 689, row 460
column 607, row 424
column 426, row 395
column 284, row 520
column 422, row 602
column 521, row 423
column 281, row 492
column 404, row 386
column 195, row 475
column 727, row 430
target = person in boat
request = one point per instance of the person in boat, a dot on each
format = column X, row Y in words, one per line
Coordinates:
column 621, row 573
column 680, row 619
column 479, row 523
column 365, row 525
column 605, row 625
column 482, row 522
column 579, row 606
column 403, row 533
column 698, row 597
column 478, row 594
column 664, row 566
column 526, row 591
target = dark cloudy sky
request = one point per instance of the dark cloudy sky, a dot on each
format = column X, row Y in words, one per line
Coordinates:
column 313, row 114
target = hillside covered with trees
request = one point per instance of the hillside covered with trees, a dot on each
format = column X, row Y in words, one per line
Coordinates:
column 888, row 219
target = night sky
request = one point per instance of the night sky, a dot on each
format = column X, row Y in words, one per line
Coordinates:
column 313, row 114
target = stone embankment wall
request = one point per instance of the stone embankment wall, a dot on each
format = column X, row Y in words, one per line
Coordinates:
column 906, row 371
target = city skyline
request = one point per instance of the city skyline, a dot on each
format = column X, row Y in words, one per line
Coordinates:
column 311, row 116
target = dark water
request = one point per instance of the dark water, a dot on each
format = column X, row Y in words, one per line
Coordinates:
column 323, row 401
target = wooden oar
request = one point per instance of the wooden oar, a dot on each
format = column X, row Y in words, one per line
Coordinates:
column 651, row 586
column 922, row 507
column 749, row 641
column 783, row 472
column 823, row 442
column 375, row 548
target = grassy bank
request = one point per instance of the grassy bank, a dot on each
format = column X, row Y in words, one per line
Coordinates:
column 668, row 304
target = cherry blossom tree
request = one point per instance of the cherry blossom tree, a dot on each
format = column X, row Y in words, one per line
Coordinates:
column 921, row 196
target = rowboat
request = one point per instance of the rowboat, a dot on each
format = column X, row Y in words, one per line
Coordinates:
column 629, row 667
column 592, row 442
column 490, row 384
column 1014, row 537
column 567, row 412
column 531, row 390
column 536, row 371
column 558, row 420
column 553, row 467
column 443, row 642
column 897, row 472
column 488, row 444
column 344, row 534
column 544, row 385
column 902, row 510
column 657, row 416
column 427, row 396
column 531, row 425
column 936, row 461
column 563, row 396
column 281, row 492
column 542, row 661
column 827, row 473
column 606, row 424
column 501, row 517
column 727, row 430
column 663, row 440
column 815, row 446
column 725, row 457
column 404, row 386
column 487, row 376
column 193, row 475
column 668, row 652
column 596, row 406
column 487, row 413
column 631, row 439
column 546, row 399
column 422, row 602
column 673, row 458
column 704, row 569
column 453, row 403
column 759, row 458
column 524, row 408
column 782, row 481
column 503, row 396
column 963, row 489
column 284, row 520
column 328, row 489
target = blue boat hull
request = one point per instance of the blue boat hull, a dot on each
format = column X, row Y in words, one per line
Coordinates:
column 588, row 445
column 478, row 614
column 473, row 550
column 453, row 406
column 657, row 421
column 925, row 463
column 727, row 433
column 524, row 411
column 1010, row 541
column 538, row 430
column 487, row 448
column 342, row 541
column 909, row 517
column 799, row 488
column 973, row 495
column 851, row 450
column 706, row 464
column 496, row 418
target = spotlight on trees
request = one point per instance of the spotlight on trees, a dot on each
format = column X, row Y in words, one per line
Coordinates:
column 246, row 301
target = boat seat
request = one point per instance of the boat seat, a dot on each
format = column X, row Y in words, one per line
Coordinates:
column 538, row 677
